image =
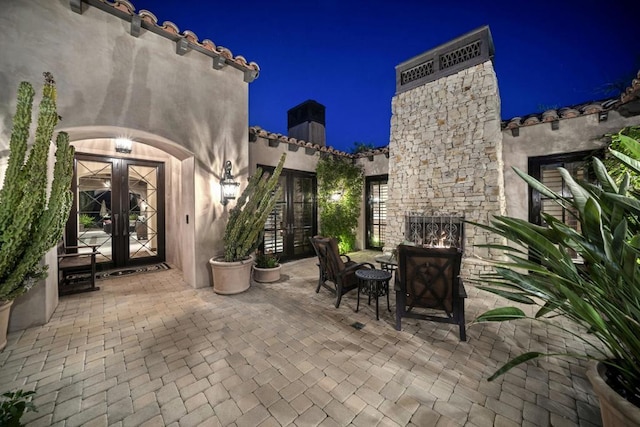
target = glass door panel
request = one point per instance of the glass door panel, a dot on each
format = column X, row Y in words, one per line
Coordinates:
column 303, row 218
column 93, row 213
column 376, row 215
column 142, row 214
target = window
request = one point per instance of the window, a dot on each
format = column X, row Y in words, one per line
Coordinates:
column 376, row 215
column 545, row 170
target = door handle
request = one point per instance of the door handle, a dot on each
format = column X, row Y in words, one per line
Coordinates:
column 115, row 226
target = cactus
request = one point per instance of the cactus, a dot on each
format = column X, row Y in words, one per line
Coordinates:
column 246, row 220
column 32, row 222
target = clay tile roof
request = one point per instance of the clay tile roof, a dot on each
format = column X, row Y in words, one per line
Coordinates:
column 171, row 31
column 632, row 93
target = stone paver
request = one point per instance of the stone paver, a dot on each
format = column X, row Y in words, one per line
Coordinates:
column 149, row 350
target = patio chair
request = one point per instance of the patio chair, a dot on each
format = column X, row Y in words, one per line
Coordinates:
column 428, row 286
column 335, row 274
column 76, row 270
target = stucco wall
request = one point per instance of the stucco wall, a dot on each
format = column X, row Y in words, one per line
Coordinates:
column 575, row 134
column 107, row 78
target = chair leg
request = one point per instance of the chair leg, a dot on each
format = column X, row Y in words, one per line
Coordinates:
column 461, row 321
column 338, row 298
column 319, row 279
column 399, row 310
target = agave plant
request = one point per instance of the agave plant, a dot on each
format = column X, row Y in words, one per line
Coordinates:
column 603, row 294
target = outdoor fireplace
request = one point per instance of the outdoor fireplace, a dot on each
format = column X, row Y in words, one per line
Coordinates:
column 435, row 230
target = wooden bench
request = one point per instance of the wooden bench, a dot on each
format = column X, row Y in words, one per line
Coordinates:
column 76, row 269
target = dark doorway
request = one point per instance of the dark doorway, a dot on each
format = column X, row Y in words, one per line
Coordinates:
column 376, row 213
column 294, row 219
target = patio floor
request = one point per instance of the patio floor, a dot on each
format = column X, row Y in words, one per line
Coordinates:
column 149, row 350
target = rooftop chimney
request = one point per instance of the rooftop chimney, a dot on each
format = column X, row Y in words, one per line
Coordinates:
column 306, row 122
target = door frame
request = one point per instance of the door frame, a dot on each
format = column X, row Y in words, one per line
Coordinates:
column 120, row 250
column 368, row 222
column 288, row 175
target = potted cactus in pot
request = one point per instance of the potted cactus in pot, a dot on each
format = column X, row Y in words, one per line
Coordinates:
column 266, row 268
column 31, row 221
column 244, row 231
column 602, row 296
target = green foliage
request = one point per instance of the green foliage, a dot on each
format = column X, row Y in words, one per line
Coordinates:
column 31, row 223
column 603, row 295
column 246, row 223
column 266, row 260
column 14, row 405
column 340, row 185
column 86, row 220
column 617, row 169
column 361, row 147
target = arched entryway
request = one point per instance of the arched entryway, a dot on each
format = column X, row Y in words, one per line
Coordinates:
column 131, row 204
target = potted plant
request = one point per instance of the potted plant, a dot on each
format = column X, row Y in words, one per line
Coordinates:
column 25, row 238
column 13, row 405
column 244, row 230
column 266, row 268
column 86, row 221
column 602, row 296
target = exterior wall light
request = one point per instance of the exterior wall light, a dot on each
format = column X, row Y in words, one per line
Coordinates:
column 228, row 186
column 123, row 145
column 335, row 197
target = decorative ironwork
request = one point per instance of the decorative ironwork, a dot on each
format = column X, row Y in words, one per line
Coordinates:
column 435, row 230
column 468, row 50
column 458, row 56
column 417, row 72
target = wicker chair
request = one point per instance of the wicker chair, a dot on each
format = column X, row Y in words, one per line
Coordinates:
column 429, row 287
column 335, row 274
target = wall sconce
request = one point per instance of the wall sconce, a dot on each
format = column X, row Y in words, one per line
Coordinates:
column 335, row 197
column 228, row 186
column 123, row 145
column 603, row 116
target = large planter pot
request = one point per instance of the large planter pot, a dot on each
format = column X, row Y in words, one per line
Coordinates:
column 266, row 275
column 5, row 310
column 615, row 409
column 231, row 277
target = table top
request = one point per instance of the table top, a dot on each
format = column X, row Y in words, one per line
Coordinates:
column 372, row 274
column 386, row 259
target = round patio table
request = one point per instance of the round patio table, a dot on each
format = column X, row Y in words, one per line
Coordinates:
column 374, row 283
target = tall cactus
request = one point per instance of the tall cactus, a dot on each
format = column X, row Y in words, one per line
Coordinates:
column 247, row 219
column 32, row 220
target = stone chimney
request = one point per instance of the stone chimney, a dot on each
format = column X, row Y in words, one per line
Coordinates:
column 306, row 121
column 446, row 142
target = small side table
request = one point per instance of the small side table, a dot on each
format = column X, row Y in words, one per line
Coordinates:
column 374, row 283
column 387, row 262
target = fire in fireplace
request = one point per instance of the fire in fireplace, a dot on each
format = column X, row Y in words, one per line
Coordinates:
column 435, row 230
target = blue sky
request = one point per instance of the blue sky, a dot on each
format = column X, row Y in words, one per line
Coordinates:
column 343, row 53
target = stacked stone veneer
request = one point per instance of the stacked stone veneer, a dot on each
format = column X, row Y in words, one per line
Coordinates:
column 446, row 156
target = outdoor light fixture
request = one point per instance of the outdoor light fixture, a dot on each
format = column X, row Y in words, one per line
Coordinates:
column 123, row 145
column 228, row 186
column 603, row 116
column 336, row 196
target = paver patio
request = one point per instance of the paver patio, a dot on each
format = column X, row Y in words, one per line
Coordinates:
column 149, row 350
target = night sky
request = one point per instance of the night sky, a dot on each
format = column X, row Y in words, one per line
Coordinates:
column 343, row 53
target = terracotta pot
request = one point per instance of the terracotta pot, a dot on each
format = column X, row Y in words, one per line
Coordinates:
column 5, row 310
column 616, row 411
column 231, row 277
column 266, row 275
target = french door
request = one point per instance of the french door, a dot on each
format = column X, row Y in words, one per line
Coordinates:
column 294, row 219
column 119, row 206
column 376, row 213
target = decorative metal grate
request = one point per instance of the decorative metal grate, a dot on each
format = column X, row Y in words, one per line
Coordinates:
column 473, row 48
column 463, row 54
column 417, row 72
column 435, row 230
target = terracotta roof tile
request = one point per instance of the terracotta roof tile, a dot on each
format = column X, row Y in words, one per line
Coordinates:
column 171, row 31
column 592, row 107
